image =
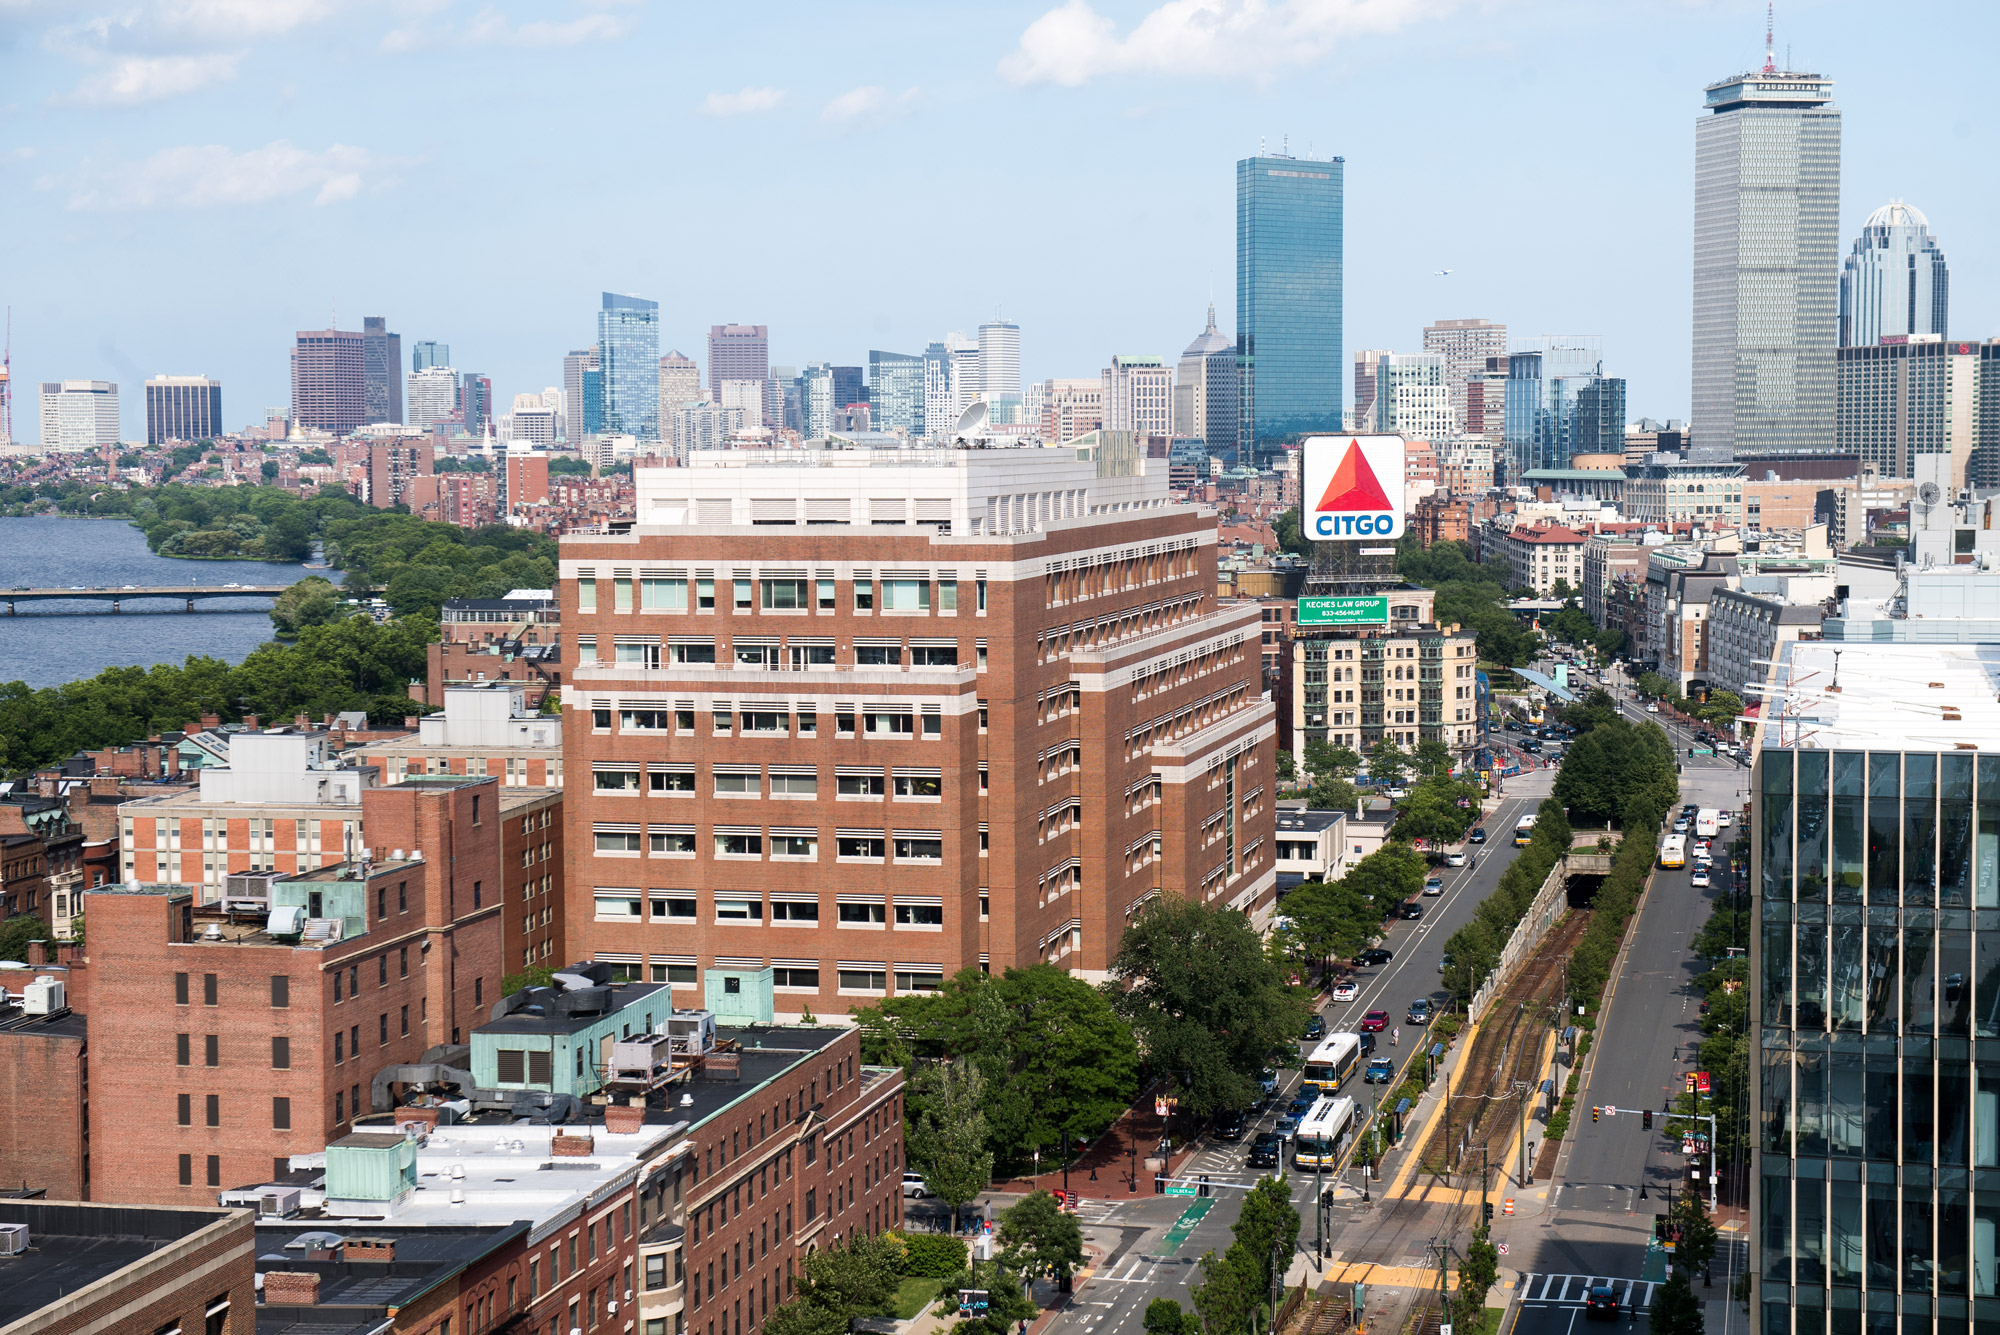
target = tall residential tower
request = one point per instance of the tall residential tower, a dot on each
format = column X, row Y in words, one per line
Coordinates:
column 1288, row 299
column 1766, row 263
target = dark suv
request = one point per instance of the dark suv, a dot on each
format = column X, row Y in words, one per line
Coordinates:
column 1230, row 1125
column 1602, row 1304
column 1263, row 1152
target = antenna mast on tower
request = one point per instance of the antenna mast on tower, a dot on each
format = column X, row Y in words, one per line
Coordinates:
column 1770, row 47
column 7, row 383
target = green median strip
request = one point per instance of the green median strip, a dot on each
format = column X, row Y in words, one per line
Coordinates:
column 1183, row 1226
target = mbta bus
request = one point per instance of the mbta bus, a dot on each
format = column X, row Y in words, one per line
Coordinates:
column 1674, row 851
column 1331, row 1063
column 1321, row 1136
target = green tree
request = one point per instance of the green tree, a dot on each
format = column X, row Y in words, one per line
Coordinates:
column 1288, row 768
column 1390, row 875
column 1206, row 1001
column 1478, row 1272
column 1387, row 763
column 1613, row 763
column 857, row 1276
column 948, row 1144
column 1695, row 1249
column 1326, row 919
column 1722, row 708
column 16, row 933
column 1676, row 1310
column 1165, row 1316
column 1267, row 1228
column 802, row 1316
column 1229, row 1293
column 1040, row 1238
column 310, row 602
column 1291, row 538
column 539, row 975
column 1432, row 811
column 1006, row 1301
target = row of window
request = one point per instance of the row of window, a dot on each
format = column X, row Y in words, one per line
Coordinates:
column 683, row 906
column 768, row 655
column 920, row 846
column 612, row 778
column 806, row 978
column 671, row 591
column 885, row 724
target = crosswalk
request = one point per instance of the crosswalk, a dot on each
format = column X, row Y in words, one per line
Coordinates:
column 1096, row 1212
column 1573, row 1290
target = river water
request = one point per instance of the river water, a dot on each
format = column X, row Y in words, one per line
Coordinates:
column 49, row 643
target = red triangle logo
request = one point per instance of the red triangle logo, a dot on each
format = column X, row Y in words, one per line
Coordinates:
column 1354, row 486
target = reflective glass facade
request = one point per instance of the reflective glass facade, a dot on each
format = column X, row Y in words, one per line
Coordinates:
column 628, row 354
column 1560, row 404
column 1876, row 1021
column 896, row 392
column 1288, row 299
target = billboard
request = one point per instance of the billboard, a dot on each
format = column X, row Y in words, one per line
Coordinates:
column 1351, row 487
column 1343, row 612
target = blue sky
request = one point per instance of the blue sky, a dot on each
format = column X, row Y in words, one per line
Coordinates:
column 184, row 183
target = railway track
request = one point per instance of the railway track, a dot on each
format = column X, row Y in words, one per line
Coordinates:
column 1504, row 1065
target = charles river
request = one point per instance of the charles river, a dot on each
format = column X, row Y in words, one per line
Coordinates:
column 54, row 642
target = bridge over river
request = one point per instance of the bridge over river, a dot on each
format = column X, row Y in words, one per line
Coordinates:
column 187, row 593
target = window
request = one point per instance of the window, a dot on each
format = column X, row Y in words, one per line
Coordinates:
column 678, row 975
column 616, row 905
column 213, row 1109
column 181, row 990
column 660, row 594
column 878, row 655
column 184, row 1109
column 785, row 595
column 906, row 594
column 541, row 1067
column 180, row 1049
column 794, row 784
column 739, row 910
column 617, row 840
column 864, row 594
column 739, row 845
column 403, row 962
column 862, row 915
column 208, row 989
column 673, row 841
column 862, row 980
column 794, row 910
column 187, row 1170
column 803, row 845
column 637, row 653
column 741, row 588
column 919, row 848
column 752, row 654
column 211, row 1050
column 738, row 783
column 510, row 1065
column 704, row 593
column 674, row 907
column 281, row 1053
column 811, row 656
column 215, row 1324
column 859, row 847
column 801, row 978
column 859, row 785
column 881, row 724
column 615, row 780
column 919, row 980
column 919, row 783
column 934, row 655
column 281, row 1114
column 947, row 595
column 919, row 915
column 671, row 780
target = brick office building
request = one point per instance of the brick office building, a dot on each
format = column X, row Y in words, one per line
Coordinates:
column 222, row 1049
column 44, row 1099
column 865, row 718
column 98, row 1268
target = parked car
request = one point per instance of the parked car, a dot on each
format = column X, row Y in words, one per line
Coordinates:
column 1315, row 1028
column 1653, row 708
column 1374, row 1022
column 1411, row 911
column 1263, row 1151
column 1230, row 1125
column 1602, row 1304
column 914, row 1187
column 1699, row 879
column 1455, row 858
column 1420, row 1011
column 1345, row 991
column 1267, row 1080
column 1398, row 793
column 1530, row 745
column 1374, row 957
column 1444, row 961
column 1381, row 1071
column 1478, row 835
column 1434, row 885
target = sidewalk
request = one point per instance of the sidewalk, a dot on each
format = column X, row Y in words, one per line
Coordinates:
column 1105, row 1171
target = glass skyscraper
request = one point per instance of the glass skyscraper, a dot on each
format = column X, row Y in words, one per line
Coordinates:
column 1766, row 263
column 1561, row 404
column 1894, row 281
column 628, row 354
column 1875, row 992
column 1288, row 299
column 896, row 392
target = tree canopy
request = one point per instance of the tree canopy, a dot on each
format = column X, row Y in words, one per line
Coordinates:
column 1472, row 595
column 1611, row 764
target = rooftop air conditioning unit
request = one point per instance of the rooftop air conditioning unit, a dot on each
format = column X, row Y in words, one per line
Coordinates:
column 44, row 996
column 13, row 1239
column 286, row 920
column 278, row 1204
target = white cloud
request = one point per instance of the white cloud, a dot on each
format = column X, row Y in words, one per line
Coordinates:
column 140, row 79
column 209, row 175
column 870, row 104
column 1072, row 44
column 742, row 102
column 493, row 28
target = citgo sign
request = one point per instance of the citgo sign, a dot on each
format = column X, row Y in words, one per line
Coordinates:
column 1352, row 487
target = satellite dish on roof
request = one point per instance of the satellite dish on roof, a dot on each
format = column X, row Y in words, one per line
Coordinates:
column 1929, row 493
column 972, row 422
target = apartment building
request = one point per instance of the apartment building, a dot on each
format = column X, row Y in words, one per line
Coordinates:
column 1607, row 558
column 1542, row 556
column 985, row 703
column 222, row 1047
column 1404, row 680
column 1744, row 632
column 485, row 728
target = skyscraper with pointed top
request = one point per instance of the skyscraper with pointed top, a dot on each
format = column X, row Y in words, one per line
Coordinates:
column 1895, row 280
column 1205, row 406
column 1766, row 262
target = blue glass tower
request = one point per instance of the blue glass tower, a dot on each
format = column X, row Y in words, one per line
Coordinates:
column 1288, row 299
column 628, row 353
column 896, row 392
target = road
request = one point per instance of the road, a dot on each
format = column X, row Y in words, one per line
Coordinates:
column 1594, row 1227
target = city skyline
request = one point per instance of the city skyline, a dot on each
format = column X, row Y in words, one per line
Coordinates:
column 105, row 190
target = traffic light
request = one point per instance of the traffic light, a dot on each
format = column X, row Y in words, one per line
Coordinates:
column 1646, row 1119
column 1594, row 1112
column 1486, row 1211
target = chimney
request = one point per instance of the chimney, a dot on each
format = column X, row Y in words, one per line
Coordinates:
column 291, row 1288
column 250, row 722
column 301, row 722
column 211, row 720
column 38, row 954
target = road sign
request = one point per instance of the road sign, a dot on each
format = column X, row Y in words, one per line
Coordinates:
column 1610, row 1110
column 1500, row 1247
column 1180, row 1188
column 1343, row 612
column 1352, row 487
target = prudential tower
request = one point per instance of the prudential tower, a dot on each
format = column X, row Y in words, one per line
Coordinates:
column 1766, row 263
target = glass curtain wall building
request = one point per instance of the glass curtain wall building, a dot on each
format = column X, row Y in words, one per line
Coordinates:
column 1559, row 404
column 1288, row 300
column 1895, row 280
column 628, row 353
column 896, row 392
column 1766, row 263
column 1875, row 993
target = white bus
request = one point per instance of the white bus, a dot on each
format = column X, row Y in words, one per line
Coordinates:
column 1322, row 1135
column 1331, row 1063
column 1708, row 822
column 1674, row 851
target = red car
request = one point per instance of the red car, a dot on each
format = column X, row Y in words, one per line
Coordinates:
column 1374, row 1022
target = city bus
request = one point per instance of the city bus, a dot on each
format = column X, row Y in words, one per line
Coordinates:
column 1674, row 851
column 1331, row 1063
column 1524, row 830
column 1322, row 1135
